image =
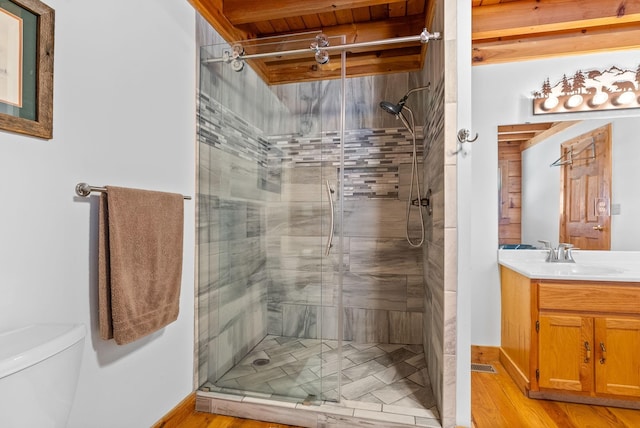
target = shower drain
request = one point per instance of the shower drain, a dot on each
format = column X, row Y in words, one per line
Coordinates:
column 261, row 362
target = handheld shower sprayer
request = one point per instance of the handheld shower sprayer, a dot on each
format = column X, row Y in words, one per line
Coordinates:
column 389, row 107
column 396, row 110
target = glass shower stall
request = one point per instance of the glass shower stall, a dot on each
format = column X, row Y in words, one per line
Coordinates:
column 307, row 288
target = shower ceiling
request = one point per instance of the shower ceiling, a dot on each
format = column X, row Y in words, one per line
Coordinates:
column 502, row 30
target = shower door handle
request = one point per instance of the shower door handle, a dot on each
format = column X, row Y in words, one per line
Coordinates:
column 330, row 238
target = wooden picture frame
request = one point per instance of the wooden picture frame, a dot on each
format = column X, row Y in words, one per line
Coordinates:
column 27, row 107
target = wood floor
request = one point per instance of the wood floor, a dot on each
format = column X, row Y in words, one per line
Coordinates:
column 185, row 416
column 496, row 402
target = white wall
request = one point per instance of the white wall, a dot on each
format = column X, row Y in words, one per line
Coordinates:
column 501, row 96
column 124, row 114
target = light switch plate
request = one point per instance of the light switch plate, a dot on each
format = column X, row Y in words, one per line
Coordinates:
column 615, row 209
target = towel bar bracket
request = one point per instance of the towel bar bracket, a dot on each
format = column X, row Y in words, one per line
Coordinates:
column 84, row 190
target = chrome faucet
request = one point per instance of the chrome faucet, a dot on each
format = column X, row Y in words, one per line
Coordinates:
column 552, row 256
column 560, row 255
column 564, row 253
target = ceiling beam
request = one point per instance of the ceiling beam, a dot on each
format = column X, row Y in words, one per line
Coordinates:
column 247, row 11
column 533, row 16
column 557, row 127
column 523, row 128
column 516, row 137
column 212, row 12
column 400, row 60
column 570, row 43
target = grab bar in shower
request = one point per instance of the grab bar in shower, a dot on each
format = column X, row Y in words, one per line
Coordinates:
column 330, row 240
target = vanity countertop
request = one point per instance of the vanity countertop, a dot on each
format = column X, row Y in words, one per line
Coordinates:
column 614, row 266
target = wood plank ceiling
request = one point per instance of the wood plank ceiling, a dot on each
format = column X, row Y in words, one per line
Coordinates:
column 529, row 134
column 502, row 30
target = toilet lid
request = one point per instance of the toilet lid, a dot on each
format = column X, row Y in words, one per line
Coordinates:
column 26, row 346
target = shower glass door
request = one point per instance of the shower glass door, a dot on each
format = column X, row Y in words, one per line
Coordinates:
column 269, row 222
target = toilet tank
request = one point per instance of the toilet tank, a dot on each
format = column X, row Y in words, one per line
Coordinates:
column 39, row 368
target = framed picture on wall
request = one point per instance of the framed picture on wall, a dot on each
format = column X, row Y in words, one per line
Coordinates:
column 26, row 67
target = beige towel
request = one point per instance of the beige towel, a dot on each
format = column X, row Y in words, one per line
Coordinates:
column 139, row 262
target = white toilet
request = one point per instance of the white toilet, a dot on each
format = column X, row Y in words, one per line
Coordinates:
column 39, row 367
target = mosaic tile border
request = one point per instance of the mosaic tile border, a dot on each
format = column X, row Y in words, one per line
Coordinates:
column 372, row 156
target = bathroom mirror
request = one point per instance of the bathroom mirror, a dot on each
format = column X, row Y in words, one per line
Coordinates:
column 529, row 188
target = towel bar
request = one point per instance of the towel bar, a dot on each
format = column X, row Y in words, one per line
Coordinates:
column 83, row 189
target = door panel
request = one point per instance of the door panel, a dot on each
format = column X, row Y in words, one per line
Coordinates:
column 565, row 352
column 586, row 190
column 617, row 362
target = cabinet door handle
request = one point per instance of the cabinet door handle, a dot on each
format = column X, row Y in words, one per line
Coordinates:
column 587, row 348
column 598, row 227
column 603, row 357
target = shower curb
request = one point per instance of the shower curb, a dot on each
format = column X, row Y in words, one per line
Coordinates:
column 327, row 415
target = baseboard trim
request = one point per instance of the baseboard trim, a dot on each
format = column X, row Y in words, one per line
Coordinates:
column 485, row 354
column 179, row 413
column 518, row 377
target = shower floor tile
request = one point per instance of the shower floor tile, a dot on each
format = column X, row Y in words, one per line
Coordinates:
column 384, row 374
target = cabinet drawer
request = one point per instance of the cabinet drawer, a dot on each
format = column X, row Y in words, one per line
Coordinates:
column 617, row 299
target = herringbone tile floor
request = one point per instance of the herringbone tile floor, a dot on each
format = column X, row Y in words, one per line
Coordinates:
column 384, row 374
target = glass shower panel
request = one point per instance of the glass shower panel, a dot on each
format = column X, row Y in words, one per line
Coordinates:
column 269, row 187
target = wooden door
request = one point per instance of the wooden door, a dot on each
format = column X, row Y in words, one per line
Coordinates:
column 585, row 220
column 617, row 356
column 565, row 352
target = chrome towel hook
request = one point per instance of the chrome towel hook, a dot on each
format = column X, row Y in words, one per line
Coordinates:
column 463, row 136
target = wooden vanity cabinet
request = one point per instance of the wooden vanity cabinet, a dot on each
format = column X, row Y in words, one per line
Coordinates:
column 584, row 354
column 583, row 339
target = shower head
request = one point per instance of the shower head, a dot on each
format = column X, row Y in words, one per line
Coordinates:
column 395, row 109
column 389, row 107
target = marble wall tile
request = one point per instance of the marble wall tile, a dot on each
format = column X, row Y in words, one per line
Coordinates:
column 405, row 327
column 392, row 256
column 248, row 179
column 275, row 325
column 298, row 219
column 449, row 391
column 365, row 94
column 300, row 321
column 450, row 273
column 208, row 219
column 434, row 260
column 205, row 169
column 308, row 183
column 435, row 270
column 377, row 218
column 233, row 226
column 302, row 287
column 450, row 189
column 366, row 325
column 375, row 291
column 404, row 181
column 329, row 323
column 305, row 253
column 415, row 293
column 450, row 323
